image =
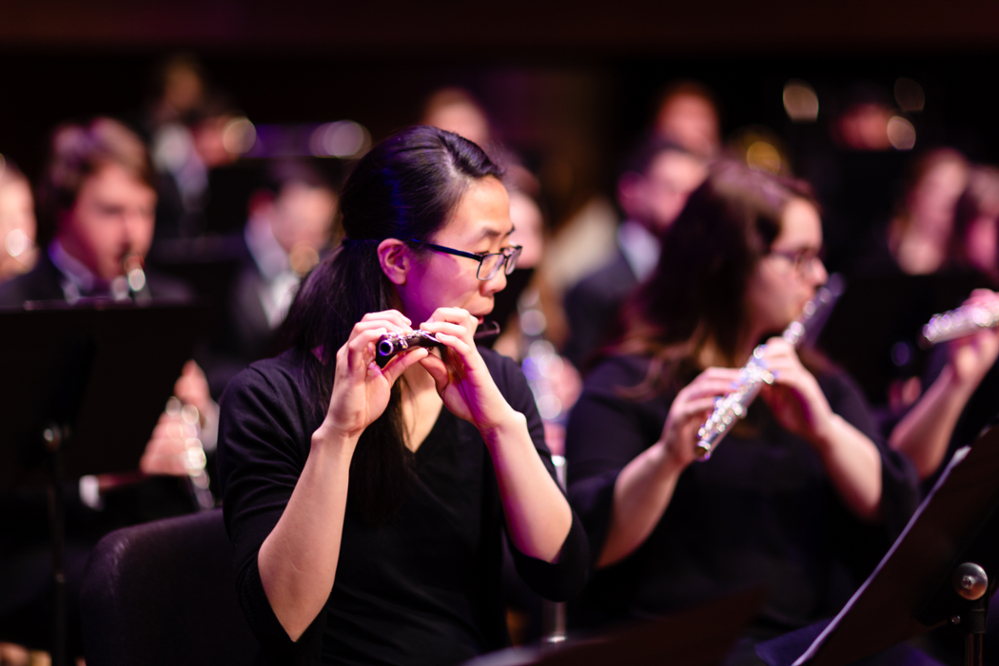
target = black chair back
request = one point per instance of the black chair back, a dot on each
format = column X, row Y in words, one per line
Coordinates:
column 165, row 593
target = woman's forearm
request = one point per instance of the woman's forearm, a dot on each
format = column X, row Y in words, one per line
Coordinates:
column 854, row 466
column 298, row 560
column 924, row 433
column 642, row 492
column 537, row 514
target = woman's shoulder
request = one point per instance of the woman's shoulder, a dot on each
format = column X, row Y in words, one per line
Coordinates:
column 283, row 375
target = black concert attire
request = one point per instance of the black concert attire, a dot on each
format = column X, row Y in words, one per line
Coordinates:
column 761, row 511
column 423, row 588
column 25, row 555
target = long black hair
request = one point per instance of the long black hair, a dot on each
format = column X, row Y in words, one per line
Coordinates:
column 406, row 187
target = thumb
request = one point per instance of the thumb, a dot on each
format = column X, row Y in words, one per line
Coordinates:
column 397, row 366
column 437, row 369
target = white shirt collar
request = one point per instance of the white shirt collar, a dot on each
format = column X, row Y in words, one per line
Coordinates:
column 640, row 248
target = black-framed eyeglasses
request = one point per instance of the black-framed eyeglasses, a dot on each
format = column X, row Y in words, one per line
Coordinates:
column 801, row 260
column 489, row 264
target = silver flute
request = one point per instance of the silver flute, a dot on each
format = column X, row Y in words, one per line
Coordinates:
column 965, row 320
column 391, row 344
column 733, row 407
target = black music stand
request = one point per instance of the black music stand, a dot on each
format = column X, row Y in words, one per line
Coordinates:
column 83, row 388
column 942, row 569
column 701, row 636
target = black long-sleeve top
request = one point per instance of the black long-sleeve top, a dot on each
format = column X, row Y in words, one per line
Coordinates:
column 761, row 511
column 422, row 588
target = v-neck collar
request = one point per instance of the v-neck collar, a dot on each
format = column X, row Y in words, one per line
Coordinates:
column 433, row 438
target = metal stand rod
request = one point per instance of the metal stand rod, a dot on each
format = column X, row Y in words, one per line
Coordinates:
column 974, row 631
column 552, row 612
column 52, row 438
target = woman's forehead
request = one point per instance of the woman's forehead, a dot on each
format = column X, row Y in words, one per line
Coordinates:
column 483, row 212
column 801, row 226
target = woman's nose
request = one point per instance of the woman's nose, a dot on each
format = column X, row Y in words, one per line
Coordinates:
column 820, row 275
column 495, row 283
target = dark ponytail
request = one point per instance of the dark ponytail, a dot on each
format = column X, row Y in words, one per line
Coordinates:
column 406, row 187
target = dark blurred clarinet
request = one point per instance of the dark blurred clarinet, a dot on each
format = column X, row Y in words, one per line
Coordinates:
column 733, row 407
column 391, row 344
column 964, row 321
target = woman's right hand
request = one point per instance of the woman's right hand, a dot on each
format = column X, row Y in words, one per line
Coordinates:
column 690, row 409
column 361, row 390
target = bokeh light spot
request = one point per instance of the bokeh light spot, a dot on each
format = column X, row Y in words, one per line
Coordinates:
column 239, row 136
column 763, row 157
column 901, row 133
column 343, row 138
column 801, row 101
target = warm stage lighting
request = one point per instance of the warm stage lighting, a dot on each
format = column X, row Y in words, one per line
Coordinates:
column 343, row 138
column 901, row 133
column 763, row 157
column 239, row 136
column 801, row 101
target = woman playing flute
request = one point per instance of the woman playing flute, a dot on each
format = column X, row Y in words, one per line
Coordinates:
column 793, row 498
column 367, row 505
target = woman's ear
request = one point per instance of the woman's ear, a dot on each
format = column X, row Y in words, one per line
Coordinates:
column 396, row 259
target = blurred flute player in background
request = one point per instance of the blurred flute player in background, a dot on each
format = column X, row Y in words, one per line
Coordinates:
column 367, row 506
column 801, row 498
column 98, row 197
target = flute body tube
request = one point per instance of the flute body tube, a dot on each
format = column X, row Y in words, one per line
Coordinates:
column 733, row 407
column 391, row 344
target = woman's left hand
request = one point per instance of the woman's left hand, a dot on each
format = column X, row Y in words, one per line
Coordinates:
column 795, row 397
column 462, row 378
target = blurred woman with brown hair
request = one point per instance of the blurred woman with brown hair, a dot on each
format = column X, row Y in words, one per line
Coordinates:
column 793, row 497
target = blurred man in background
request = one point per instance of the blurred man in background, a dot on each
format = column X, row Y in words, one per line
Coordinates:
column 290, row 225
column 651, row 191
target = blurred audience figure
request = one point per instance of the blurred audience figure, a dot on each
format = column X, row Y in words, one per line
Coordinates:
column 530, row 313
column 651, row 191
column 98, row 199
column 184, row 123
column 17, row 223
column 975, row 241
column 184, row 154
column 290, row 224
column 456, row 110
column 855, row 169
column 179, row 87
column 918, row 236
column 688, row 116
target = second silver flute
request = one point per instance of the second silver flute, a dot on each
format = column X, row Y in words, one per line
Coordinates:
column 963, row 321
column 733, row 407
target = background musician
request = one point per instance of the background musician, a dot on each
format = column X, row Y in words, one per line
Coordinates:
column 960, row 400
column 17, row 223
column 801, row 498
column 99, row 200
